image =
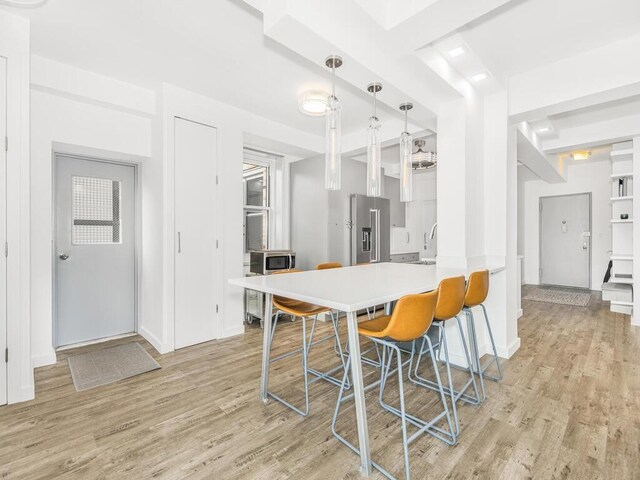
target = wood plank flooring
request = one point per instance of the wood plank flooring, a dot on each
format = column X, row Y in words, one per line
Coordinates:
column 568, row 408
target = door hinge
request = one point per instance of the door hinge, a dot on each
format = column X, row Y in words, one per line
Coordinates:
column 216, row 179
column 6, row 249
column 217, row 308
column 217, row 244
column 6, row 355
column 540, row 273
column 540, row 207
column 6, row 144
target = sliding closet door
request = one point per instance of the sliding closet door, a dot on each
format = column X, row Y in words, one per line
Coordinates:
column 195, row 235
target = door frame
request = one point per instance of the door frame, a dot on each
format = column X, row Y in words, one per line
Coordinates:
column 82, row 153
column 540, row 233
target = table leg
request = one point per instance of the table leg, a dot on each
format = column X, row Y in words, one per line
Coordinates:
column 358, row 394
column 266, row 341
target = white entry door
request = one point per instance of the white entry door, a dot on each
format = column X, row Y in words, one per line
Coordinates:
column 565, row 240
column 195, row 235
column 3, row 231
column 95, row 271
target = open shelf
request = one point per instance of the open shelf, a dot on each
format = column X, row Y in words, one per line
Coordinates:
column 622, row 257
column 621, row 153
column 621, row 199
column 620, row 175
column 629, row 220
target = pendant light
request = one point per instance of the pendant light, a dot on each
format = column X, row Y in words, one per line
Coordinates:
column 333, row 153
column 406, row 160
column 374, row 164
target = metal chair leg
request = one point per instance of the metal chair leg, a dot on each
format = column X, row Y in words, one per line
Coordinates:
column 304, row 412
column 473, row 340
column 495, row 351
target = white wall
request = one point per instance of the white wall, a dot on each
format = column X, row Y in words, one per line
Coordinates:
column 582, row 177
column 82, row 122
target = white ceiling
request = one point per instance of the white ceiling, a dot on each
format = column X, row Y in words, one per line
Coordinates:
column 525, row 34
column 215, row 48
column 598, row 113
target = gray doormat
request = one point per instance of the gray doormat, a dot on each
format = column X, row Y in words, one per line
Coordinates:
column 110, row 365
column 563, row 297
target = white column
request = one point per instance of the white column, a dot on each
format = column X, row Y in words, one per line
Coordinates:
column 635, row 315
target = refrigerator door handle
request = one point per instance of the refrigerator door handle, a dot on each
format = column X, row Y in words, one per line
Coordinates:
column 375, row 224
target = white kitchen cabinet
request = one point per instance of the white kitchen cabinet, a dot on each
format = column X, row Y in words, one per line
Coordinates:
column 196, row 292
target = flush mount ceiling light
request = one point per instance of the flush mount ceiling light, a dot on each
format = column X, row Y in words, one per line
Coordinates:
column 374, row 152
column 456, row 52
column 313, row 103
column 423, row 160
column 584, row 155
column 406, row 162
column 478, row 77
column 333, row 125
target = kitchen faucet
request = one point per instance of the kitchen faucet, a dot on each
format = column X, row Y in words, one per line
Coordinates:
column 433, row 231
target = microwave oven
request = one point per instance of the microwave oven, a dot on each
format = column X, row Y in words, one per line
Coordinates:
column 264, row 262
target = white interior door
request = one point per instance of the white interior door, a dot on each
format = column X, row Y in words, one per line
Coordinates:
column 3, row 230
column 565, row 240
column 195, row 235
column 95, row 250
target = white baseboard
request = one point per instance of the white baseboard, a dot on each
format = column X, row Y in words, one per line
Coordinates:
column 44, row 360
column 21, row 394
column 507, row 352
column 232, row 332
column 154, row 341
column 457, row 358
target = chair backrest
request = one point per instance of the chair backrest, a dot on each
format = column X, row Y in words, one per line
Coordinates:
column 450, row 298
column 411, row 317
column 328, row 265
column 477, row 288
column 284, row 300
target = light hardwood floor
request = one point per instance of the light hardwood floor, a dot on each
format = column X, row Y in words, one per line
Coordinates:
column 569, row 407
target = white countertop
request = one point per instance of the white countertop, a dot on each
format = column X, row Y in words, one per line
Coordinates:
column 350, row 289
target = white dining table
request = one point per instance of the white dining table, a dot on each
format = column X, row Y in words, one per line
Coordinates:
column 348, row 290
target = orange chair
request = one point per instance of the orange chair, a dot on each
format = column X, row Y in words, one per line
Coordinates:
column 451, row 293
column 476, row 294
column 328, row 265
column 297, row 308
column 409, row 322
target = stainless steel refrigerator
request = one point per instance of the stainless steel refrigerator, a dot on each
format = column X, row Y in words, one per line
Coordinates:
column 370, row 229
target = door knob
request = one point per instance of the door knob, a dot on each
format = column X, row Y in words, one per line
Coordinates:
column 584, row 246
column 63, row 256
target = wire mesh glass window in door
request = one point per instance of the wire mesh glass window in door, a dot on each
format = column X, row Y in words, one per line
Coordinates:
column 96, row 211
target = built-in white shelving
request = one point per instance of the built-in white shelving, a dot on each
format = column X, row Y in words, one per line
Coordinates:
column 622, row 234
column 622, row 153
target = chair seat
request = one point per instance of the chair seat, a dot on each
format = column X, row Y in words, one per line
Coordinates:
column 372, row 328
column 298, row 308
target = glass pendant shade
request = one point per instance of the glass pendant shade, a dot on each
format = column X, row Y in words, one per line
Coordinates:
column 406, row 167
column 333, row 155
column 374, row 163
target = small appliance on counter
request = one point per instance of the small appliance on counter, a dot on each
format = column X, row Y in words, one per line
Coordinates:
column 264, row 262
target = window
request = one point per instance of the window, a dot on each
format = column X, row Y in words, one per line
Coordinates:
column 257, row 211
column 96, row 211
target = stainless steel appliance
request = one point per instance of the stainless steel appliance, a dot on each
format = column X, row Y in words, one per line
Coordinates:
column 264, row 262
column 370, row 229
